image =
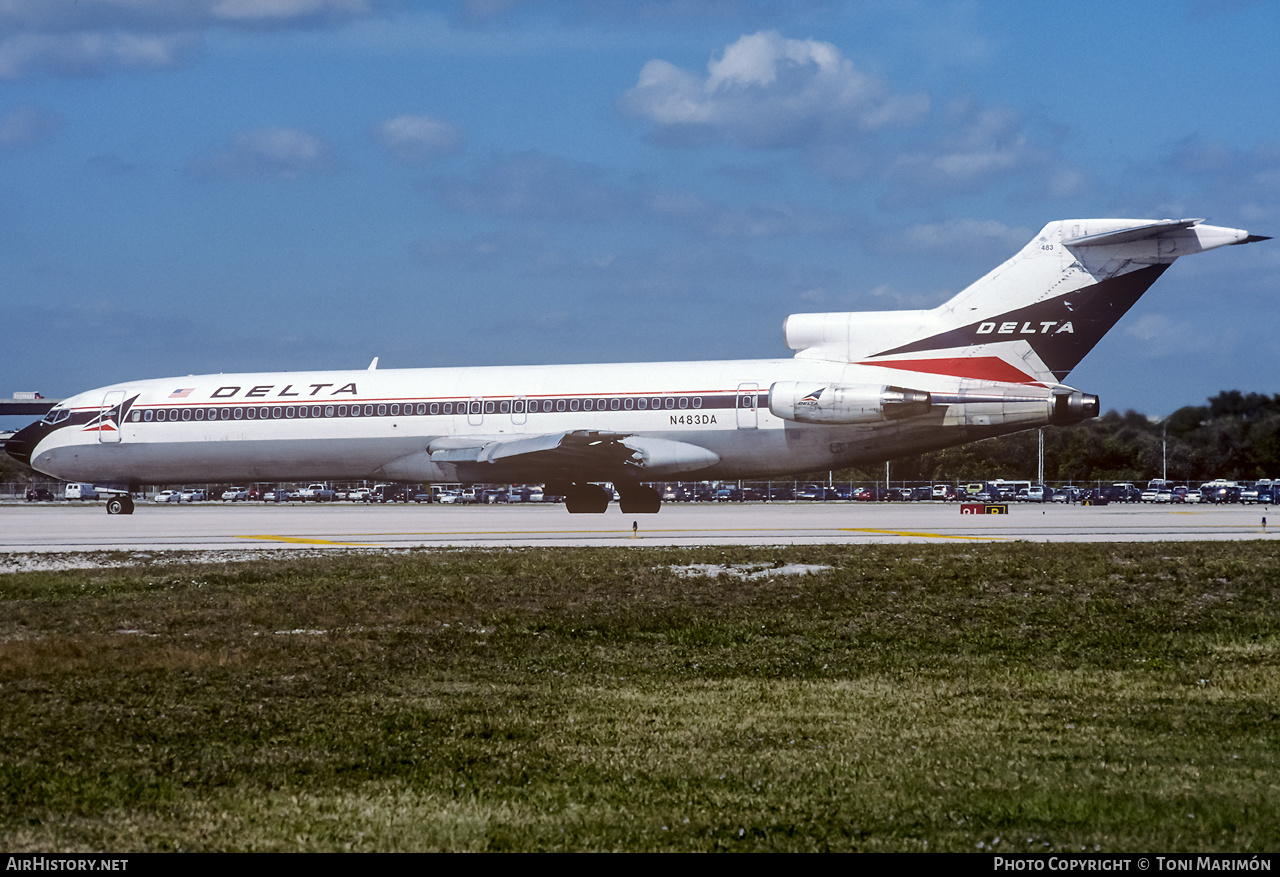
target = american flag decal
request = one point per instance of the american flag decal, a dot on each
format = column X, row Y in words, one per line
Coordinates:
column 181, row 394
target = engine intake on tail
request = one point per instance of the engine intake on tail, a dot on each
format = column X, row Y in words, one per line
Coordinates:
column 844, row 403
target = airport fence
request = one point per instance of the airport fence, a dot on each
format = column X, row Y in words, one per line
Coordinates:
column 777, row 490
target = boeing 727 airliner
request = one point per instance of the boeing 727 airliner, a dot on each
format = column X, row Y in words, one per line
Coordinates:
column 861, row 388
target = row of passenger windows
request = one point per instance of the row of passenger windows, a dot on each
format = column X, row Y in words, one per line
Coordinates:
column 475, row 407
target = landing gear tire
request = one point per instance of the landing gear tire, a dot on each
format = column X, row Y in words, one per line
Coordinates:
column 587, row 499
column 120, row 505
column 636, row 499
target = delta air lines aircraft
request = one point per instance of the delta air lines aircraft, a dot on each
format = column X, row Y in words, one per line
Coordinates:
column 861, row 388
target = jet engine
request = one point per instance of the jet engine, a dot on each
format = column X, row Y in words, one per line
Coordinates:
column 844, row 403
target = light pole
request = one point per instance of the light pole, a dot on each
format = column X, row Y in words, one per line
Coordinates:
column 1040, row 469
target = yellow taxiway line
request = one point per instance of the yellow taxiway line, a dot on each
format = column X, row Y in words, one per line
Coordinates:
column 299, row 539
column 607, row 533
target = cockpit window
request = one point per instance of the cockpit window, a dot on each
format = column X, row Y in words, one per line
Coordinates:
column 57, row 415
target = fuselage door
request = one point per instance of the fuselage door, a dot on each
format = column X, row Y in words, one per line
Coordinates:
column 519, row 413
column 747, row 402
column 109, row 419
column 475, row 411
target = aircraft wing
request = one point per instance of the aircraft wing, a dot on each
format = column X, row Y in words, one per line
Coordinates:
column 605, row 455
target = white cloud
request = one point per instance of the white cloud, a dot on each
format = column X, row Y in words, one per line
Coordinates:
column 766, row 92
column 94, row 37
column 283, row 10
column 532, row 185
column 984, row 142
column 281, row 153
column 26, row 126
column 1159, row 335
column 85, row 53
column 418, row 138
column 959, row 238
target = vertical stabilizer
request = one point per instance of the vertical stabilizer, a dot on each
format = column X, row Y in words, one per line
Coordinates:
column 1033, row 318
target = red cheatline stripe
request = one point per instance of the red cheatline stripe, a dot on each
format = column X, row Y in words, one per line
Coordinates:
column 982, row 368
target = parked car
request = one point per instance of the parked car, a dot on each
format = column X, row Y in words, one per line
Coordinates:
column 389, row 493
column 167, row 496
column 40, row 494
column 315, row 493
column 1260, row 492
column 276, row 495
column 77, row 490
column 1220, row 491
column 235, row 494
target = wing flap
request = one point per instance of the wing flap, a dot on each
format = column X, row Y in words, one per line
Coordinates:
column 589, row 453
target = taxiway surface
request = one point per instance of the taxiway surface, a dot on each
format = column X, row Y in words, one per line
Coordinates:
column 87, row 527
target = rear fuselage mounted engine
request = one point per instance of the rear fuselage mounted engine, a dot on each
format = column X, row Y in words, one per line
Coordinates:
column 845, row 403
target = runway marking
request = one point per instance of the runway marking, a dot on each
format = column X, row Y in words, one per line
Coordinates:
column 308, row 541
column 918, row 535
column 711, row 532
column 607, row 533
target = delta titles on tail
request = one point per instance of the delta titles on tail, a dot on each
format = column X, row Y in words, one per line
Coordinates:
column 861, row 388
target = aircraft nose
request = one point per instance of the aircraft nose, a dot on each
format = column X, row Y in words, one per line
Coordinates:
column 22, row 444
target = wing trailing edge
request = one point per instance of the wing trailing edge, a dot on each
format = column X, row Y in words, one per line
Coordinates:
column 605, row 455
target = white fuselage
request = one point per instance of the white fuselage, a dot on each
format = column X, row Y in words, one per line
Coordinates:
column 289, row 426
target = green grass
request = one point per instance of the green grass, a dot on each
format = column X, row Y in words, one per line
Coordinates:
column 1030, row 697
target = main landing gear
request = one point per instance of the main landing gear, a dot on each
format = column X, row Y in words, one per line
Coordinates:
column 592, row 499
column 120, row 505
column 636, row 499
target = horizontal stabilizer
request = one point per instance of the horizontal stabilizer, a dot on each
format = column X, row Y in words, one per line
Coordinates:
column 1126, row 235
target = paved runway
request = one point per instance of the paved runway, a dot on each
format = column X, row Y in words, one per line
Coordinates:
column 75, row 527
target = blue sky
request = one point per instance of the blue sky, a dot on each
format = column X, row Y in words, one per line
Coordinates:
column 235, row 185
